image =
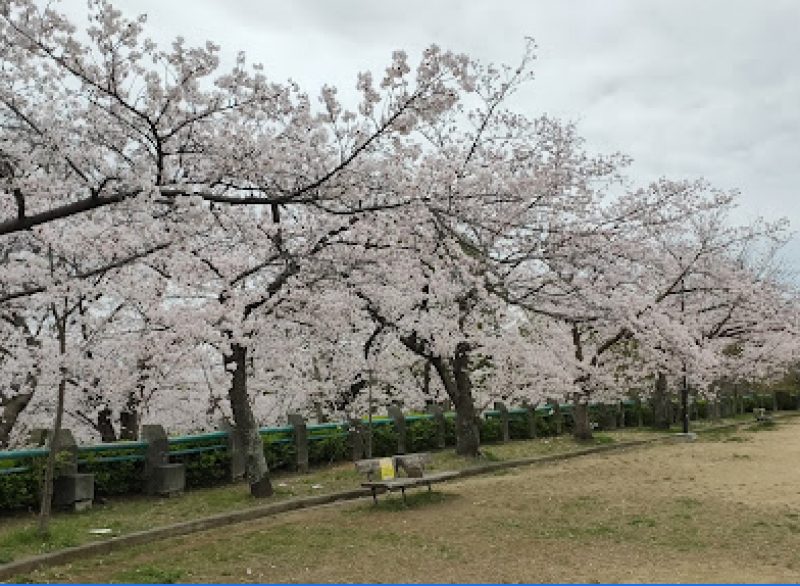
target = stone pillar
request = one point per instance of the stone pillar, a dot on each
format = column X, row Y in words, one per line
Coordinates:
column 70, row 489
column 300, row 435
column 639, row 413
column 532, row 419
column 400, row 426
column 235, row 450
column 498, row 406
column 320, row 413
column 356, row 434
column 160, row 476
column 38, row 436
column 438, row 416
column 557, row 417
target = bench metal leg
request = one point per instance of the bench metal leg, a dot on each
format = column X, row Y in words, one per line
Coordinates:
column 403, row 490
column 374, row 495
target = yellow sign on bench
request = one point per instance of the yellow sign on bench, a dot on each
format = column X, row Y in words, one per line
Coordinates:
column 387, row 468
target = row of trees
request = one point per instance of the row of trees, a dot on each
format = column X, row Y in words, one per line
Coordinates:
column 179, row 242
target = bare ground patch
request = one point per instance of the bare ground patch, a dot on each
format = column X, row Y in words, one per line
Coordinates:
column 720, row 510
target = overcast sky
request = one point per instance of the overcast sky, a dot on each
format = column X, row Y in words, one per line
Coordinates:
column 688, row 88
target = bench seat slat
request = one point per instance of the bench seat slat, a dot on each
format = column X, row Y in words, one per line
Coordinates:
column 408, row 482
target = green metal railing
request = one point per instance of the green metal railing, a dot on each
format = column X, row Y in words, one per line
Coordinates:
column 284, row 435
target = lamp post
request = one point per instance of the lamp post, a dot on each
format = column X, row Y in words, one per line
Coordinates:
column 685, row 400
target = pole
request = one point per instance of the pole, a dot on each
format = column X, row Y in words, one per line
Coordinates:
column 685, row 400
column 369, row 414
column 685, row 389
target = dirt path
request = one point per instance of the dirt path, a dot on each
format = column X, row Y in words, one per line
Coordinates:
column 726, row 510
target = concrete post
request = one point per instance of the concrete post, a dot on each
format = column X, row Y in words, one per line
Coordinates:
column 532, row 419
column 612, row 415
column 438, row 416
column 160, row 476
column 320, row 412
column 499, row 406
column 356, row 435
column 70, row 489
column 38, row 436
column 235, row 450
column 300, row 434
column 557, row 417
column 400, row 426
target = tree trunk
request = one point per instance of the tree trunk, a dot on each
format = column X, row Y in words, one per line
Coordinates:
column 455, row 377
column 12, row 409
column 129, row 425
column 55, row 438
column 582, row 428
column 104, row 426
column 426, row 379
column 661, row 403
column 256, row 467
column 50, row 467
column 468, row 441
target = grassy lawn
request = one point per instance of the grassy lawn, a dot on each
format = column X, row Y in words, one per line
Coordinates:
column 719, row 510
column 20, row 539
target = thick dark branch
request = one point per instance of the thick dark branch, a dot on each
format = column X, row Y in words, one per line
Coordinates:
column 622, row 334
column 20, row 205
column 91, row 273
column 78, row 207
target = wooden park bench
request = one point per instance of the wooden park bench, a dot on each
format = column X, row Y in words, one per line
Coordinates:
column 388, row 470
column 762, row 414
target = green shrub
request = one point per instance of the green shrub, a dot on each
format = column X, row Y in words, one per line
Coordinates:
column 786, row 401
column 701, row 407
column 633, row 411
column 491, row 430
column 328, row 450
column 450, row 431
column 384, row 440
column 519, row 426
column 114, row 478
column 279, row 456
column 422, row 434
column 207, row 469
column 545, row 425
column 21, row 490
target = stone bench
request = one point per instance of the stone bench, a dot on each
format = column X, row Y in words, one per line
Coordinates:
column 412, row 465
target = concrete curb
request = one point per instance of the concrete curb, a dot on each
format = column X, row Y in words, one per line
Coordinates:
column 80, row 552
